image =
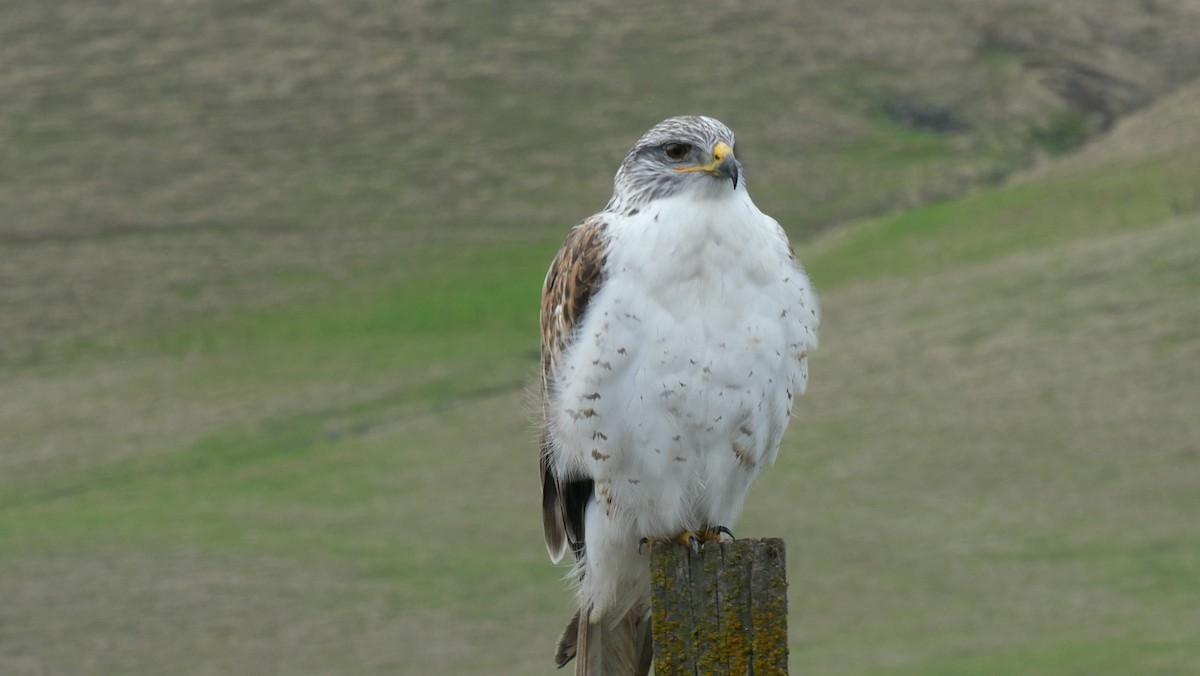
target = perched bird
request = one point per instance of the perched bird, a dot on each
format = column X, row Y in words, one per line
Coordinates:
column 676, row 325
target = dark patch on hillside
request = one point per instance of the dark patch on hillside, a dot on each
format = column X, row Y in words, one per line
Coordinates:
column 922, row 115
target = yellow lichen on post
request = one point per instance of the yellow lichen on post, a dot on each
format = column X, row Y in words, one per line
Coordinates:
column 721, row 611
column 769, row 609
column 670, row 577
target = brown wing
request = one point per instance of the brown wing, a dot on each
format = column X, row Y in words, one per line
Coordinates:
column 574, row 276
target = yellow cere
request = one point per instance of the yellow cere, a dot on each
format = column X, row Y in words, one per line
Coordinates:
column 720, row 151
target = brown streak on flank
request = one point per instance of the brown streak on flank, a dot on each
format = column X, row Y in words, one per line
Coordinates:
column 743, row 455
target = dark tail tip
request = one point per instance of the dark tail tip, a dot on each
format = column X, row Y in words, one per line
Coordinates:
column 565, row 652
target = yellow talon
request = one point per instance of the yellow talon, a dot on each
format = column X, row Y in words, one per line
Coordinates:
column 691, row 539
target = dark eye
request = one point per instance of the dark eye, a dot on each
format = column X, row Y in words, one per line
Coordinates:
column 677, row 151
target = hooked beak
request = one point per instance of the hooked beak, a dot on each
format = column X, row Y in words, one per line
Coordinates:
column 723, row 164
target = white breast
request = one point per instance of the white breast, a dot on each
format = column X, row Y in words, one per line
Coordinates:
column 680, row 380
column 678, row 385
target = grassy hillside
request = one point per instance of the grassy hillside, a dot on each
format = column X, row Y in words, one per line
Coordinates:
column 167, row 163
column 269, row 278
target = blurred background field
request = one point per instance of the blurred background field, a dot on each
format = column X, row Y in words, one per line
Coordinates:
column 269, row 279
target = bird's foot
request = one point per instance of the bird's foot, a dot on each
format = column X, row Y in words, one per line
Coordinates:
column 693, row 539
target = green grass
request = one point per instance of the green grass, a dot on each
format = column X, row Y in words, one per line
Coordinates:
column 1062, row 133
column 968, row 489
column 1102, row 656
column 1022, row 217
column 1002, row 474
column 992, row 518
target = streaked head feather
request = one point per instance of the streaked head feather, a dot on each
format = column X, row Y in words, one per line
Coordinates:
column 647, row 173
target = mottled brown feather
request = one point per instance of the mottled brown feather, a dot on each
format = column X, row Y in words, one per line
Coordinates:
column 574, row 276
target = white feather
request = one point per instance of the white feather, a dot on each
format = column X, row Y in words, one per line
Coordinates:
column 678, row 385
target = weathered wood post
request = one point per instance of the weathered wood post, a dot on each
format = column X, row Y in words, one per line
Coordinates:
column 722, row 611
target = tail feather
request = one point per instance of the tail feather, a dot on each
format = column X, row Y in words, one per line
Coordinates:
column 606, row 648
column 565, row 652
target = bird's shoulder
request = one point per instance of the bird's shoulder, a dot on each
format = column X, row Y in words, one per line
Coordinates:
column 574, row 276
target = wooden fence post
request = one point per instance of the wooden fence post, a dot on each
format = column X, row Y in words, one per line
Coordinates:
column 722, row 611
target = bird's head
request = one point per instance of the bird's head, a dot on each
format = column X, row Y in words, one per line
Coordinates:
column 687, row 153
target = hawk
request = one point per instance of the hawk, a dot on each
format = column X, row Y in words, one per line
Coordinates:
column 676, row 326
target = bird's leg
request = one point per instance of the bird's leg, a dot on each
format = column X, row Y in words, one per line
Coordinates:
column 692, row 539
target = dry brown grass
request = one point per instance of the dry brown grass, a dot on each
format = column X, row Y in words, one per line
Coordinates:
column 261, row 115
column 1135, row 139
column 186, row 611
column 995, row 465
column 280, row 147
column 1000, row 459
column 995, row 472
